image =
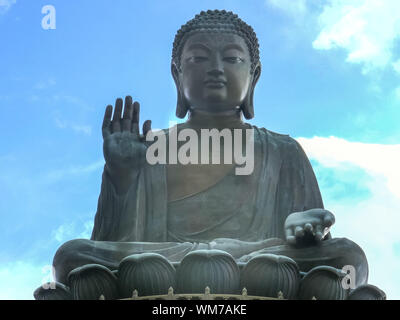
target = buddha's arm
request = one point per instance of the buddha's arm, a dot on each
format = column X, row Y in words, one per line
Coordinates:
column 118, row 215
column 306, row 222
column 313, row 197
column 122, row 181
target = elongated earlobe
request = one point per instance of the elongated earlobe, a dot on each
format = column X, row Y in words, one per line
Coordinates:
column 247, row 106
column 181, row 105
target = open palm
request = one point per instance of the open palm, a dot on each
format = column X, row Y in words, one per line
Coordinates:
column 123, row 145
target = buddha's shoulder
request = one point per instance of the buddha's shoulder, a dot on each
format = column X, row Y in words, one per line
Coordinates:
column 276, row 139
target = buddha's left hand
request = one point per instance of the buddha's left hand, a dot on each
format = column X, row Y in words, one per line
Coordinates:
column 308, row 227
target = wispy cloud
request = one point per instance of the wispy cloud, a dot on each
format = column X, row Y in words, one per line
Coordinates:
column 301, row 19
column 70, row 112
column 373, row 220
column 85, row 129
column 63, row 232
column 5, row 5
column 396, row 66
column 78, row 128
column 72, row 100
column 19, row 279
column 297, row 9
column 397, row 93
column 87, row 231
column 74, row 170
column 73, row 230
column 44, row 84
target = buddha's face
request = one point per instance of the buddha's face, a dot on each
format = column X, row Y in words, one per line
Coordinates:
column 215, row 71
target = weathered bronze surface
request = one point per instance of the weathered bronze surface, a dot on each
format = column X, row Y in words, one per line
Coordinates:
column 174, row 209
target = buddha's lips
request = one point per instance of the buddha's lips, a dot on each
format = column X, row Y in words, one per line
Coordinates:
column 215, row 83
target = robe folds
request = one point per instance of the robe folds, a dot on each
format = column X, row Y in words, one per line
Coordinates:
column 248, row 208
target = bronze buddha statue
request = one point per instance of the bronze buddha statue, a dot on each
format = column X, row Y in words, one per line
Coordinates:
column 173, row 209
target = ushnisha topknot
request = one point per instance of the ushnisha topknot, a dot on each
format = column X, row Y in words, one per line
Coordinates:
column 216, row 21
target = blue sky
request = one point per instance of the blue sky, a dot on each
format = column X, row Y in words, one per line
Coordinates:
column 330, row 78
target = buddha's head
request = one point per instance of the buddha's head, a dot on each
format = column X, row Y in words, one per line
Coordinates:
column 215, row 64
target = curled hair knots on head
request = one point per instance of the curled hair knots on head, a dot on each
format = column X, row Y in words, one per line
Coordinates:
column 216, row 21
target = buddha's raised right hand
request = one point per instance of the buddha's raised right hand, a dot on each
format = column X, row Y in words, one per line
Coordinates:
column 123, row 146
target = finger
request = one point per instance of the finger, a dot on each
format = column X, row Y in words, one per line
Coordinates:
column 308, row 228
column 116, row 121
column 319, row 232
column 299, row 232
column 290, row 238
column 146, row 127
column 135, row 118
column 329, row 220
column 105, row 129
column 128, row 111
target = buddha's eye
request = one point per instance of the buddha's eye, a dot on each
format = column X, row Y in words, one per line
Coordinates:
column 233, row 59
column 197, row 59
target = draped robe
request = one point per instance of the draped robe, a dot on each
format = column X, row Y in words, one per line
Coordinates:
column 243, row 215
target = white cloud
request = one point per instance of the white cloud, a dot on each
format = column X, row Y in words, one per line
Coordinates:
column 371, row 222
column 380, row 161
column 5, row 5
column 366, row 29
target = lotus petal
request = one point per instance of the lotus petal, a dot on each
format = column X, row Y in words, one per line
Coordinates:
column 91, row 281
column 53, row 291
column 215, row 269
column 323, row 283
column 268, row 274
column 148, row 273
column 367, row 292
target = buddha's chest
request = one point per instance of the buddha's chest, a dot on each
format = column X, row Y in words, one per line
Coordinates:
column 224, row 209
column 215, row 159
column 185, row 180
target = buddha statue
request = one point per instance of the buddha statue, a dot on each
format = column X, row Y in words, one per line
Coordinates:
column 173, row 209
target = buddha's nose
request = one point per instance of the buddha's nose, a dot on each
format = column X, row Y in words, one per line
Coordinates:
column 216, row 67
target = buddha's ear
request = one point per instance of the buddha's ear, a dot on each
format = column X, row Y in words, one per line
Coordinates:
column 181, row 105
column 247, row 106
